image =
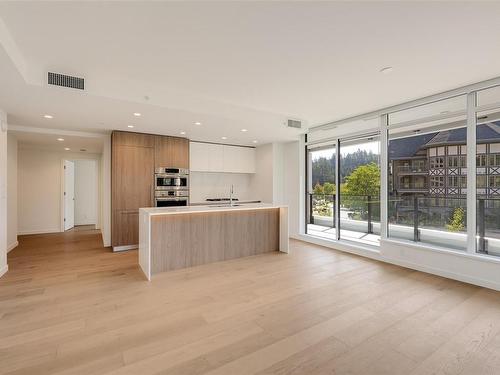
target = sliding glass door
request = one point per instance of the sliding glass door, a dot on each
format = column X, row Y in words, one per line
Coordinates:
column 359, row 176
column 321, row 187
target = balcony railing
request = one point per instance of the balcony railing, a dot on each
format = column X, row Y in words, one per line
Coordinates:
column 413, row 186
column 359, row 208
column 411, row 169
column 417, row 218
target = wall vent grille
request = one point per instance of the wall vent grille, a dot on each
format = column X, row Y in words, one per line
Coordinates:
column 294, row 124
column 63, row 80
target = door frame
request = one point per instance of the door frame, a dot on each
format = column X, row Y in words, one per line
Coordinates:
column 63, row 201
column 99, row 191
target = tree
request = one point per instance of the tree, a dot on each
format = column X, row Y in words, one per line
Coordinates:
column 318, row 189
column 329, row 188
column 457, row 220
column 363, row 181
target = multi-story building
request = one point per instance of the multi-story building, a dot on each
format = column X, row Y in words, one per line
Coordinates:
column 435, row 165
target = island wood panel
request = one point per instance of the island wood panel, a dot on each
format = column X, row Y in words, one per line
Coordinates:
column 186, row 240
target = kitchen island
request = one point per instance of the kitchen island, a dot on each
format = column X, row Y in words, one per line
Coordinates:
column 180, row 237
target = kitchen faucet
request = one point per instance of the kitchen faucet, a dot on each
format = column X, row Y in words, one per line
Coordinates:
column 231, row 192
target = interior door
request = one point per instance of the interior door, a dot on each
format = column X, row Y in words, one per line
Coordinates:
column 69, row 194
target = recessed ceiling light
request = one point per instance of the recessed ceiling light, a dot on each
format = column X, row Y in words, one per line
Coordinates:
column 197, row 123
column 48, row 116
column 223, row 137
column 60, row 139
column 130, row 126
column 67, row 148
column 386, row 70
column 137, row 114
column 244, row 130
column 183, row 133
column 255, row 141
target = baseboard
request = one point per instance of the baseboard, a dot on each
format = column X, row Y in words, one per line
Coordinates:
column 444, row 273
column 4, row 270
column 125, row 248
column 43, row 231
column 12, row 246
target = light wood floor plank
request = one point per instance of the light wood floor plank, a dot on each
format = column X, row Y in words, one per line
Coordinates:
column 69, row 306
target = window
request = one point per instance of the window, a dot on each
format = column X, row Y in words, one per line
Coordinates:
column 320, row 202
column 463, row 182
column 437, row 181
column 494, row 160
column 429, row 213
column 453, row 181
column 452, row 161
column 428, row 176
column 436, row 163
column 360, row 194
column 481, row 181
column 494, row 181
column 488, row 182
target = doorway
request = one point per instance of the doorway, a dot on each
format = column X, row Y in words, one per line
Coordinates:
column 80, row 194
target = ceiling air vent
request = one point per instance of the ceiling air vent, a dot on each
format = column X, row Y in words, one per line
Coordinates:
column 294, row 124
column 66, row 81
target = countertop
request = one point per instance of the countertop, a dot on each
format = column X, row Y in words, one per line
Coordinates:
column 212, row 203
column 209, row 208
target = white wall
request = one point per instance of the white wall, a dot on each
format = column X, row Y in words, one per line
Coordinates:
column 216, row 185
column 11, row 192
column 86, row 192
column 105, row 192
column 261, row 183
column 3, row 195
column 291, row 185
column 40, row 189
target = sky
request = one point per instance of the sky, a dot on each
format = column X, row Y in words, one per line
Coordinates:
column 327, row 153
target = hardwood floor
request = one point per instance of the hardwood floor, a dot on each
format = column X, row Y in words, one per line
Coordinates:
column 69, row 306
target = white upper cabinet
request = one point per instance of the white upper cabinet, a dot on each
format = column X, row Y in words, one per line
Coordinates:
column 208, row 157
column 239, row 159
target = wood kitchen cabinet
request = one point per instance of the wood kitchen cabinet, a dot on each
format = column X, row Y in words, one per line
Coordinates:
column 134, row 158
column 171, row 152
column 131, row 184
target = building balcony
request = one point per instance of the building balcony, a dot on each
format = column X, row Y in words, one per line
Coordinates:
column 409, row 170
column 412, row 188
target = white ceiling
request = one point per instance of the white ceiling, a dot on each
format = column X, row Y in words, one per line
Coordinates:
column 49, row 142
column 235, row 65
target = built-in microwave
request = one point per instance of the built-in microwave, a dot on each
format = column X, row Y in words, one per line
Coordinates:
column 171, row 178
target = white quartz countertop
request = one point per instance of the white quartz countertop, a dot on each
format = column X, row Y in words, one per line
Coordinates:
column 210, row 208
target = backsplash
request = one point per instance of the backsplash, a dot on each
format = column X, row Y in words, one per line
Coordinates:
column 205, row 185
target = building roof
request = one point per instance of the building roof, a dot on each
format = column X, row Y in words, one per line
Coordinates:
column 405, row 148
column 408, row 148
column 485, row 133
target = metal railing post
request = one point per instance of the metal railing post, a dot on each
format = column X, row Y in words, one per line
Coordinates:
column 370, row 225
column 416, row 236
column 481, row 247
column 311, row 217
column 333, row 210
